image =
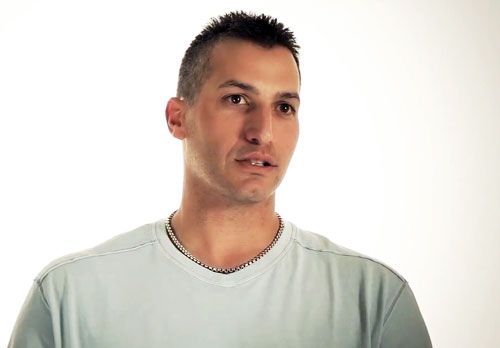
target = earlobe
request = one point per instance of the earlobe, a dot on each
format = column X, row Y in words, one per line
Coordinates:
column 175, row 115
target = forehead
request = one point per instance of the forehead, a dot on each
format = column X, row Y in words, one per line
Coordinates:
column 263, row 67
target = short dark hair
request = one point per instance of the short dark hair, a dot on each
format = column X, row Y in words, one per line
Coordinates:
column 261, row 29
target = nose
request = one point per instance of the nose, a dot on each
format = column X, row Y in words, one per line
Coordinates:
column 259, row 126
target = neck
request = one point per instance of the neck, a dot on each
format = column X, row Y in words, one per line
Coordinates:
column 221, row 234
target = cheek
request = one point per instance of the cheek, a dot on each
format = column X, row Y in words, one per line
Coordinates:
column 289, row 138
column 214, row 144
column 221, row 134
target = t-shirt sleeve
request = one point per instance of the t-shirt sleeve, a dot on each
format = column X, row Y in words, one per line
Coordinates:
column 404, row 326
column 33, row 327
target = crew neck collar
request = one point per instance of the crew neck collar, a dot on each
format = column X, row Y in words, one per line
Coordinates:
column 254, row 270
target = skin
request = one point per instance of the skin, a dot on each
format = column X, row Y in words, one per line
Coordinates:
column 248, row 103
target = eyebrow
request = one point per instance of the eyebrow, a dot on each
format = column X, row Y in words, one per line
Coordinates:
column 250, row 88
column 289, row 95
column 243, row 86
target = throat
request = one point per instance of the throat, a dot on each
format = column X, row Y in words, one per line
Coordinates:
column 225, row 249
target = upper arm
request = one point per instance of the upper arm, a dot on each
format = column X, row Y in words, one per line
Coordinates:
column 33, row 327
column 404, row 325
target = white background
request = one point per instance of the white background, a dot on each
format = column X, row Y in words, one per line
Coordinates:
column 398, row 156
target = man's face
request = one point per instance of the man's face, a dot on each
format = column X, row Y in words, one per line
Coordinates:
column 242, row 129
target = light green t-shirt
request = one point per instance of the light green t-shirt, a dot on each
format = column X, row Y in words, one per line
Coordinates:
column 138, row 290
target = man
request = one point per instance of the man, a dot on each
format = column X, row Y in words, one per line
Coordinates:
column 225, row 270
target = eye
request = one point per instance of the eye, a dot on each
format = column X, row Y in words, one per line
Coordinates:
column 286, row 109
column 236, row 99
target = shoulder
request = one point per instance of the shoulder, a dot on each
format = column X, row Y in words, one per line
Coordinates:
column 342, row 259
column 119, row 247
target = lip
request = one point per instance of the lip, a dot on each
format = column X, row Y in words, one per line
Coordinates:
column 262, row 157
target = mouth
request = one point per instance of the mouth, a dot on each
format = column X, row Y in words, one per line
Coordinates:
column 258, row 159
column 257, row 163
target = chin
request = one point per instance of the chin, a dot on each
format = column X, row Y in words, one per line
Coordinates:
column 255, row 196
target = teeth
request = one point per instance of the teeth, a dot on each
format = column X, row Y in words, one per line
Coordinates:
column 256, row 163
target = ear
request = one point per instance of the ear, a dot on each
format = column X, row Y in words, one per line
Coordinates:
column 175, row 114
